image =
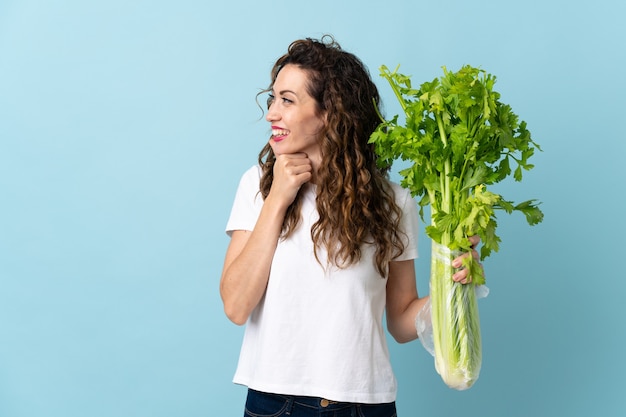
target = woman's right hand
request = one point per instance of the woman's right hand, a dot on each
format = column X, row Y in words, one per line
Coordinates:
column 291, row 172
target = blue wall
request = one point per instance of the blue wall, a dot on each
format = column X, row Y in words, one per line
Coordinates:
column 124, row 128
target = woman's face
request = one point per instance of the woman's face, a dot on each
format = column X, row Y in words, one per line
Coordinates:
column 293, row 114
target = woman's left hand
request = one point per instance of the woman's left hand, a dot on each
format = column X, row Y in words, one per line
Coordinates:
column 463, row 276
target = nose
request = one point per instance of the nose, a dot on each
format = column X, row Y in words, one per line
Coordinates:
column 272, row 113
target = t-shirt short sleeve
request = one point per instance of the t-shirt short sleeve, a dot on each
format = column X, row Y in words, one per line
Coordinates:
column 248, row 202
column 409, row 224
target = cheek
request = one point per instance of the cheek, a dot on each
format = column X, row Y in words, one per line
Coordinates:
column 315, row 126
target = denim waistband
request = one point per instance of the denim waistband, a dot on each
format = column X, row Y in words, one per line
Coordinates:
column 312, row 402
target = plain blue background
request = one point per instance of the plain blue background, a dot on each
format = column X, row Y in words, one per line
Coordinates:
column 124, row 129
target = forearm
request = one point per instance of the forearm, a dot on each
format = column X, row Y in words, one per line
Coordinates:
column 248, row 262
column 402, row 325
column 403, row 301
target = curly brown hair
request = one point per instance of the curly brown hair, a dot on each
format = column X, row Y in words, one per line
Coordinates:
column 356, row 205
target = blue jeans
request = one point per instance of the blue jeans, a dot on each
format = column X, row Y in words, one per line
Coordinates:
column 260, row 404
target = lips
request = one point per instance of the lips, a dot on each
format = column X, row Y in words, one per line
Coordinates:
column 279, row 134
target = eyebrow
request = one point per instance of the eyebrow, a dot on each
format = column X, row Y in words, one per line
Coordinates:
column 287, row 91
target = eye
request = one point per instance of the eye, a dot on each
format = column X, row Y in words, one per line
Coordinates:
column 271, row 99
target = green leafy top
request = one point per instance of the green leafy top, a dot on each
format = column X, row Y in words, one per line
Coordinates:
column 460, row 138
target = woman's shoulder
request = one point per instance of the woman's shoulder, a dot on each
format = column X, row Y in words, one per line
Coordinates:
column 250, row 178
column 252, row 173
column 394, row 185
column 399, row 191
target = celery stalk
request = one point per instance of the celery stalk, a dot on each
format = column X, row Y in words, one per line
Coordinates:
column 459, row 138
column 456, row 323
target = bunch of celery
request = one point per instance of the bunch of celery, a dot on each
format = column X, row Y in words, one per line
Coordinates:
column 459, row 139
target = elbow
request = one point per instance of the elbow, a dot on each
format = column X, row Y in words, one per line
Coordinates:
column 400, row 340
column 234, row 314
column 402, row 337
column 238, row 319
column 232, row 308
column 401, row 333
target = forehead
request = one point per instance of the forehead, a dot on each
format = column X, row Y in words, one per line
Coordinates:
column 292, row 78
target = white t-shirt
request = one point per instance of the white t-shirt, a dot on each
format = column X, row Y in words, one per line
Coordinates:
column 318, row 332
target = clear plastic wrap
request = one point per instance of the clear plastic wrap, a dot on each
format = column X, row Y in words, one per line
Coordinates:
column 449, row 325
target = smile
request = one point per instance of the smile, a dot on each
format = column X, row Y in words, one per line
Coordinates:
column 279, row 133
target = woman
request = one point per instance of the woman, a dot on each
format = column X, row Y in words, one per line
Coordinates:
column 322, row 244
